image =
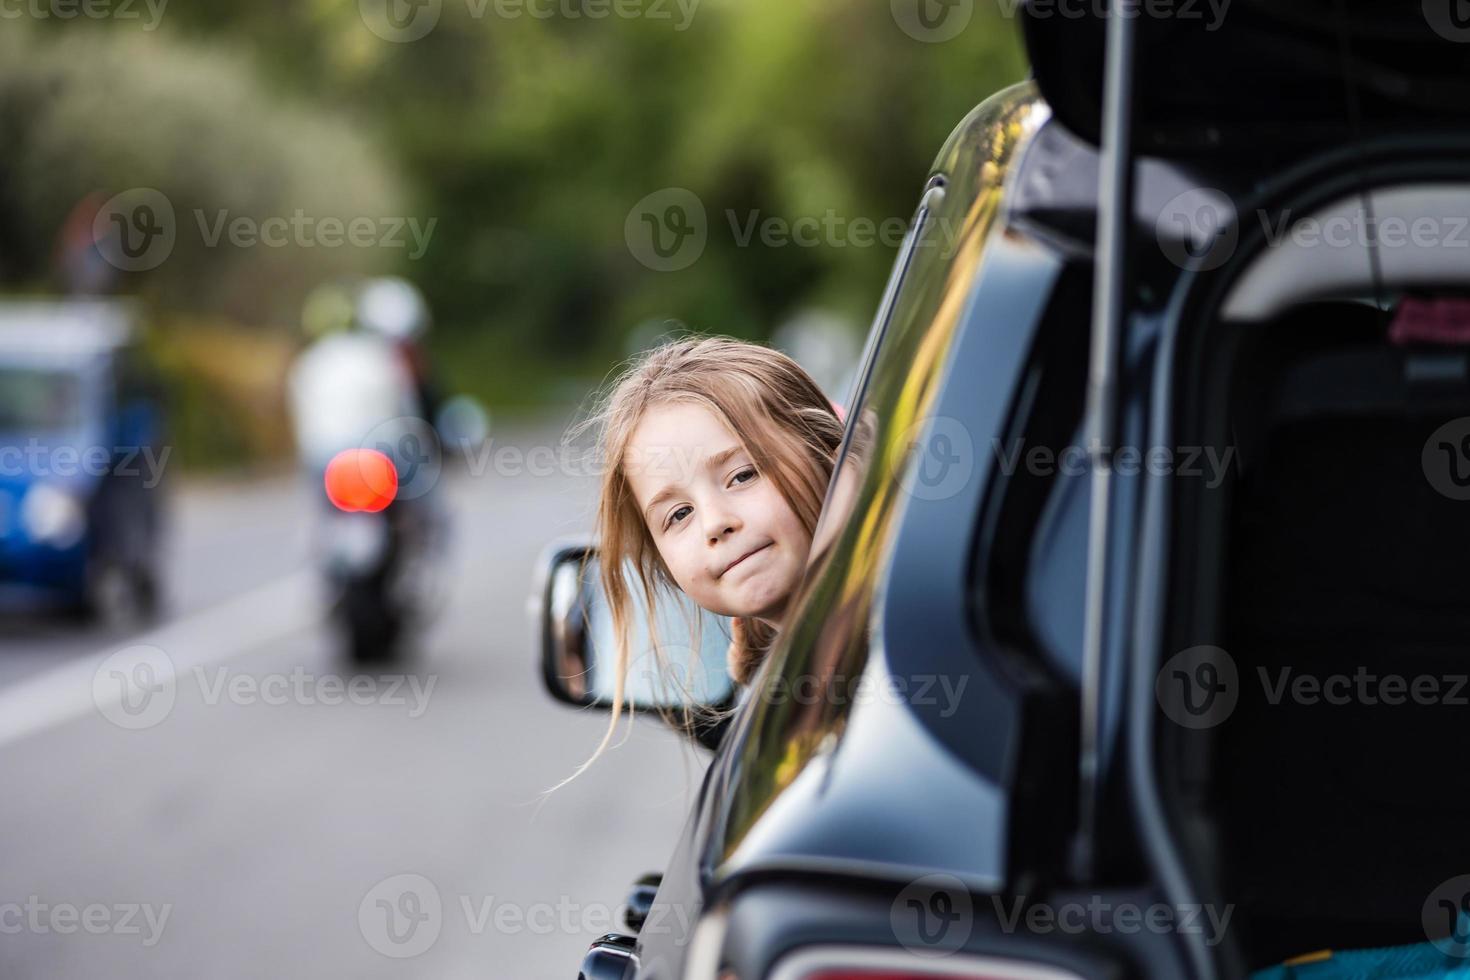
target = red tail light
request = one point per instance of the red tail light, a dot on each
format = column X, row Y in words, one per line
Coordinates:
column 361, row 480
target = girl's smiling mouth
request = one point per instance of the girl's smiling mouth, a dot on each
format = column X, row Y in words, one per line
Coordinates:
column 742, row 558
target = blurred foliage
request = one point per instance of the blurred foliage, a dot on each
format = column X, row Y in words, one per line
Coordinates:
column 528, row 138
column 223, row 390
column 102, row 110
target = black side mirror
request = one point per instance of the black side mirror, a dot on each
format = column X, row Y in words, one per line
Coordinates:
column 577, row 641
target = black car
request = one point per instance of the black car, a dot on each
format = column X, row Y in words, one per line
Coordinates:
column 1135, row 650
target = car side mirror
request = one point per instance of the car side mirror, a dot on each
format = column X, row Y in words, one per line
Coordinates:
column 578, row 649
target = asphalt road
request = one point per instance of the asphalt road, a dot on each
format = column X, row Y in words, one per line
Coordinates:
column 271, row 821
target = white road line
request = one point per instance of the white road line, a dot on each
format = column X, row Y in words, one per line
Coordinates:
column 221, row 632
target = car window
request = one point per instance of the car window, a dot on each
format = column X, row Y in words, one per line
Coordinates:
column 806, row 689
column 39, row 400
column 858, row 435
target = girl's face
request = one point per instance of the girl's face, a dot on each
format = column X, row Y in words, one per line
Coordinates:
column 732, row 542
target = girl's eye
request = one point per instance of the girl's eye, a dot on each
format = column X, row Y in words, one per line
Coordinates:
column 744, row 476
column 677, row 516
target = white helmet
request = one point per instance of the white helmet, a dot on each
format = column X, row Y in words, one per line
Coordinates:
column 393, row 307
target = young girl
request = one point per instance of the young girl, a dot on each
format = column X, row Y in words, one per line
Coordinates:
column 717, row 454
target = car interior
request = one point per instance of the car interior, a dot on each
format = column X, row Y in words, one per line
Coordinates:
column 1328, row 552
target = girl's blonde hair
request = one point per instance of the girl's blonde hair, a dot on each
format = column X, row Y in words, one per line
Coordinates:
column 781, row 417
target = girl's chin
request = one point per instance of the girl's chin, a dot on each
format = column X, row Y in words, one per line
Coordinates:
column 764, row 603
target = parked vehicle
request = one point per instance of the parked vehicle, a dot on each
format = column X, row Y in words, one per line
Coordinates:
column 1138, row 433
column 81, row 461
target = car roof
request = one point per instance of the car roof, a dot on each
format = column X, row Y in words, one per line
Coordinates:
column 63, row 331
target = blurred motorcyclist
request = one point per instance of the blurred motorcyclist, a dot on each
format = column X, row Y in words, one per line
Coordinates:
column 356, row 386
column 394, row 309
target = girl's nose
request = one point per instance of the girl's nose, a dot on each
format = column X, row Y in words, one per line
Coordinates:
column 722, row 527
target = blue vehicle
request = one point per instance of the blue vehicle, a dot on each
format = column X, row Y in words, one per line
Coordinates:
column 81, row 462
